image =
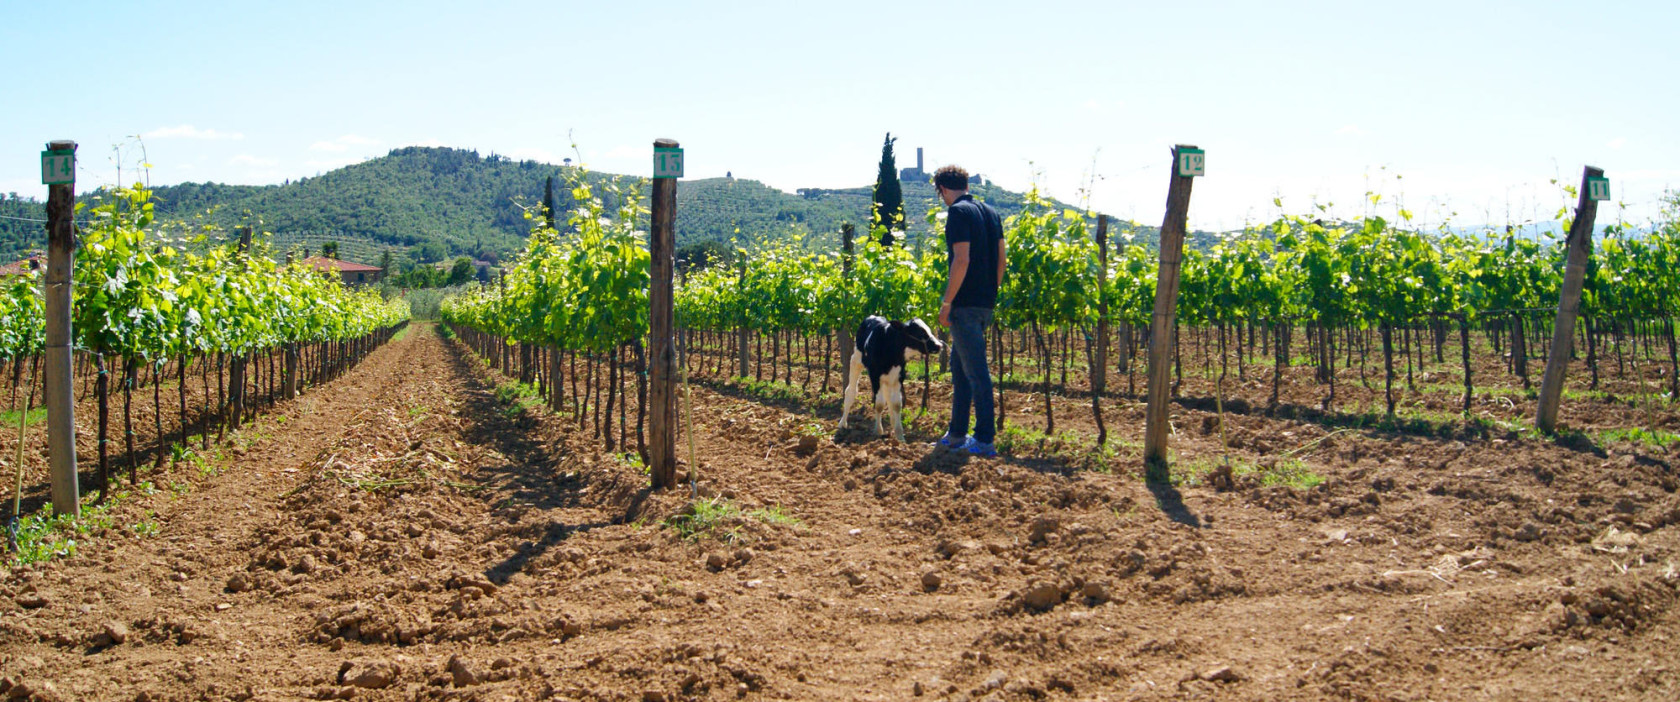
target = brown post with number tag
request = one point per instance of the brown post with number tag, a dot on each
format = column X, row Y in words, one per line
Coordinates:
column 662, row 394
column 1569, row 303
column 60, row 387
column 1161, row 325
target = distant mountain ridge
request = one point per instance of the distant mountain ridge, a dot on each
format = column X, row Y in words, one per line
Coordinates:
column 428, row 204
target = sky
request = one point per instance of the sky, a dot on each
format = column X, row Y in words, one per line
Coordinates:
column 1460, row 112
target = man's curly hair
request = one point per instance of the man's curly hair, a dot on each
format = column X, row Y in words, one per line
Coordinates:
column 951, row 178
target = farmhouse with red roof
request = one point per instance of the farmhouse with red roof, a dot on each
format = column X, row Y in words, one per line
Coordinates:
column 350, row 273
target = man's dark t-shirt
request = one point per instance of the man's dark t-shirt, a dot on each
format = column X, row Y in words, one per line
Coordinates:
column 978, row 224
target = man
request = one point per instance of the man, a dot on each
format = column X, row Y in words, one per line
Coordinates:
column 974, row 243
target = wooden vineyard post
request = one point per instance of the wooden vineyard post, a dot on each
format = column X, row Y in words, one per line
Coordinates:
column 291, row 381
column 662, row 392
column 1166, row 307
column 741, row 333
column 845, row 335
column 1593, row 188
column 60, row 381
column 1099, row 365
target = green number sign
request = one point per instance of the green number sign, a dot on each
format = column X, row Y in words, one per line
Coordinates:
column 58, row 167
column 1598, row 188
column 667, row 163
column 1191, row 162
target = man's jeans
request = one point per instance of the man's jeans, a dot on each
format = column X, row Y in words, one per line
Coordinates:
column 971, row 382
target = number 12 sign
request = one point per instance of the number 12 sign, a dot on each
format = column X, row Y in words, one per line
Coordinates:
column 1192, row 162
column 58, row 167
column 667, row 162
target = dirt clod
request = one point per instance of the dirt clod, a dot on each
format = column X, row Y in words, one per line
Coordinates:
column 1042, row 596
column 374, row 675
column 1223, row 674
column 461, row 674
column 114, row 631
column 1043, row 527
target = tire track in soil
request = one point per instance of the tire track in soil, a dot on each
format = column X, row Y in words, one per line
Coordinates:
column 494, row 561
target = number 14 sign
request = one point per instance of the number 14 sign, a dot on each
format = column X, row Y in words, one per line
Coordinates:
column 58, row 167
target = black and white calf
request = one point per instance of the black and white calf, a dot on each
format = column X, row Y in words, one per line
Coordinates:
column 882, row 349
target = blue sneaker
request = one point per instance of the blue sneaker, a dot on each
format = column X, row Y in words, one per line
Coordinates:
column 979, row 448
column 950, row 442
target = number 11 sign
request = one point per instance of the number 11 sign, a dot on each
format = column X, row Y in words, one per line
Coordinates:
column 1598, row 188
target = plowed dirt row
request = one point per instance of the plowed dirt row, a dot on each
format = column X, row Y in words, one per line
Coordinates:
column 405, row 534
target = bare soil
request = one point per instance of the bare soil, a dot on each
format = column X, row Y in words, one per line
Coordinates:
column 402, row 533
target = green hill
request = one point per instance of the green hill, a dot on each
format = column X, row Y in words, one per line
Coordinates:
column 430, row 204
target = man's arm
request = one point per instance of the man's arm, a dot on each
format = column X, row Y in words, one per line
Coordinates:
column 1002, row 260
column 959, row 270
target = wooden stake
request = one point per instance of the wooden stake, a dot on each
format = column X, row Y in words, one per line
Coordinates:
column 845, row 335
column 1099, row 368
column 61, row 403
column 1161, row 325
column 662, row 415
column 741, row 333
column 1569, row 304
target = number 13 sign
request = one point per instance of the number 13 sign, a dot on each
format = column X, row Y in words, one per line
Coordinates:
column 667, row 162
column 1191, row 161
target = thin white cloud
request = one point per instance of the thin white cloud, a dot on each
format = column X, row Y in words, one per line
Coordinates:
column 249, row 160
column 1617, row 143
column 342, row 143
column 1350, row 130
column 627, row 152
column 187, row 131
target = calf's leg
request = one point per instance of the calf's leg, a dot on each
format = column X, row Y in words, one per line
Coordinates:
column 894, row 389
column 851, row 387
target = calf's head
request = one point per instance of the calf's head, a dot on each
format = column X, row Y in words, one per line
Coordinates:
column 918, row 337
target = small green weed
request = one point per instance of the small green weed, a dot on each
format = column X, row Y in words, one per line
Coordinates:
column 518, row 397
column 1070, row 447
column 774, row 515
column 1282, row 471
column 1638, row 435
column 9, row 418
column 42, row 536
column 771, row 389
column 702, row 516
column 147, row 526
column 705, row 518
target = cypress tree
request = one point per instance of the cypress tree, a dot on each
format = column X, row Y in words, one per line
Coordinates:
column 548, row 203
column 888, row 207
